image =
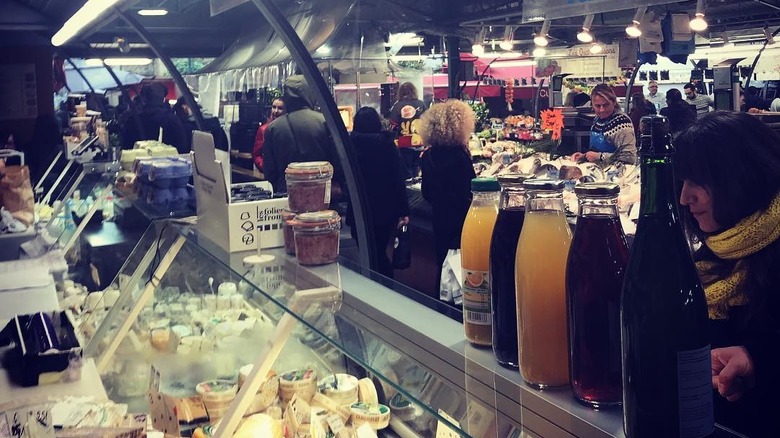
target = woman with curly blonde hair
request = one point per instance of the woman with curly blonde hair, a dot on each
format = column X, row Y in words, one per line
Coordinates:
column 447, row 171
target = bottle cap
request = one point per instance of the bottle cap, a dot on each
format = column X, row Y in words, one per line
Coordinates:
column 485, row 185
column 597, row 189
column 514, row 178
column 544, row 184
column 655, row 136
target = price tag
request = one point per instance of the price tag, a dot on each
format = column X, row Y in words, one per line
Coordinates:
column 443, row 430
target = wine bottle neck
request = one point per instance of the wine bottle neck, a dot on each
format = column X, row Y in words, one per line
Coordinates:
column 658, row 196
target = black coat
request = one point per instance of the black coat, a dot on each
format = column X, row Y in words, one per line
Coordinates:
column 446, row 183
column 146, row 124
column 680, row 116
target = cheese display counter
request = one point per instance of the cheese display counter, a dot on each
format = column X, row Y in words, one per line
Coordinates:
column 258, row 346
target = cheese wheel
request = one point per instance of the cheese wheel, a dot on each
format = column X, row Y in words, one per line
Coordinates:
column 367, row 391
column 302, row 382
column 342, row 388
column 377, row 416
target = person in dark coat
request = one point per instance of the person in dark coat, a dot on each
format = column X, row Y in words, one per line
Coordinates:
column 300, row 135
column 640, row 107
column 382, row 176
column 210, row 124
column 447, row 171
column 404, row 120
column 155, row 113
column 680, row 114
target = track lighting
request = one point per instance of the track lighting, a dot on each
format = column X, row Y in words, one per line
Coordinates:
column 541, row 38
column 633, row 29
column 539, row 52
column 478, row 48
column 698, row 23
column 584, row 35
column 596, row 48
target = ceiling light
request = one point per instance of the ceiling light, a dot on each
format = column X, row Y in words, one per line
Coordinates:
column 539, row 52
column 323, row 50
column 506, row 43
column 88, row 13
column 541, row 38
column 478, row 49
column 596, row 48
column 152, row 12
column 633, row 29
column 584, row 35
column 113, row 62
column 699, row 24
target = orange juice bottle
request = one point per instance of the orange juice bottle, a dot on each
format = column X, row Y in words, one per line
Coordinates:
column 540, row 272
column 475, row 260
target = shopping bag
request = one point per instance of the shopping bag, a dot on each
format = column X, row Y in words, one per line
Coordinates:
column 16, row 194
column 450, row 289
column 402, row 248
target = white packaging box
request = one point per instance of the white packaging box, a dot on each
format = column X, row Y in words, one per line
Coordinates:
column 232, row 226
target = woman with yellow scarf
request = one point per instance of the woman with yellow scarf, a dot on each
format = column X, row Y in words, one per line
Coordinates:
column 729, row 164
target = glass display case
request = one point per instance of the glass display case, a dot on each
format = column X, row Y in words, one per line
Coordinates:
column 185, row 312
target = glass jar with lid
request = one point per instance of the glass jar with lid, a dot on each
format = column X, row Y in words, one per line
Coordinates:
column 317, row 237
column 308, row 186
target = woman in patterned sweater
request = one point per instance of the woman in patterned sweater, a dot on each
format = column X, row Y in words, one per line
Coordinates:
column 612, row 134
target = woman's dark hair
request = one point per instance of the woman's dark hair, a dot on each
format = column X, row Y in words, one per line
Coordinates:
column 737, row 158
column 407, row 91
column 674, row 99
column 367, row 121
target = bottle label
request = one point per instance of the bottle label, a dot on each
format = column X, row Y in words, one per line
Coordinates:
column 476, row 297
column 694, row 383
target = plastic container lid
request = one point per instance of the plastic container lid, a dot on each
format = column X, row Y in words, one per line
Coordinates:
column 597, row 189
column 544, row 184
column 514, row 178
column 485, row 185
column 309, row 170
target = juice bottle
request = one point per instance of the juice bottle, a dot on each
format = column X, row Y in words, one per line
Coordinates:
column 475, row 260
column 503, row 247
column 542, row 250
column 594, row 278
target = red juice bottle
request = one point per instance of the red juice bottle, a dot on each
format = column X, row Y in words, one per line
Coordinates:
column 594, row 278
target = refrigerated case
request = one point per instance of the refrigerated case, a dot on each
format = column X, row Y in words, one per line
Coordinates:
column 365, row 326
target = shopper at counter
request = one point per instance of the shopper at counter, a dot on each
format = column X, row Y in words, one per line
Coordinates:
column 380, row 167
column 300, row 135
column 404, row 120
column 447, row 171
column 680, row 114
column 733, row 207
column 612, row 136
column 277, row 110
column 154, row 114
column 640, row 107
column 702, row 102
column 654, row 97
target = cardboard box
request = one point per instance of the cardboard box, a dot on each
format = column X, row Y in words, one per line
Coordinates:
column 29, row 368
column 232, row 226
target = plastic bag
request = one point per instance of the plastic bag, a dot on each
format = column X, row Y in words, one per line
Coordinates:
column 16, row 194
column 451, row 278
column 402, row 248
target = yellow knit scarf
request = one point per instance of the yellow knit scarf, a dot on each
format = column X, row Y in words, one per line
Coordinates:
column 747, row 237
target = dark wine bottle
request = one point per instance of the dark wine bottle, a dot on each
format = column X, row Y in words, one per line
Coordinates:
column 667, row 389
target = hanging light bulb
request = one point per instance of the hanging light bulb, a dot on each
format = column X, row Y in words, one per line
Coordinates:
column 698, row 23
column 596, row 48
column 539, row 52
column 541, row 38
column 633, row 29
column 506, row 43
column 584, row 35
column 478, row 47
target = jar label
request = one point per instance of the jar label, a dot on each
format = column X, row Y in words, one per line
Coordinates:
column 476, row 297
column 694, row 383
column 327, row 192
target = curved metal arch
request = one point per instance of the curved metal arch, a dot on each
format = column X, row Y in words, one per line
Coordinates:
column 175, row 75
column 340, row 136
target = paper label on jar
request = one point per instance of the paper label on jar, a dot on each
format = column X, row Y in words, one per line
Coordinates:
column 476, row 297
column 327, row 192
column 694, row 383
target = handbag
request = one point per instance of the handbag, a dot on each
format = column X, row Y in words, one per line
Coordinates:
column 402, row 248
